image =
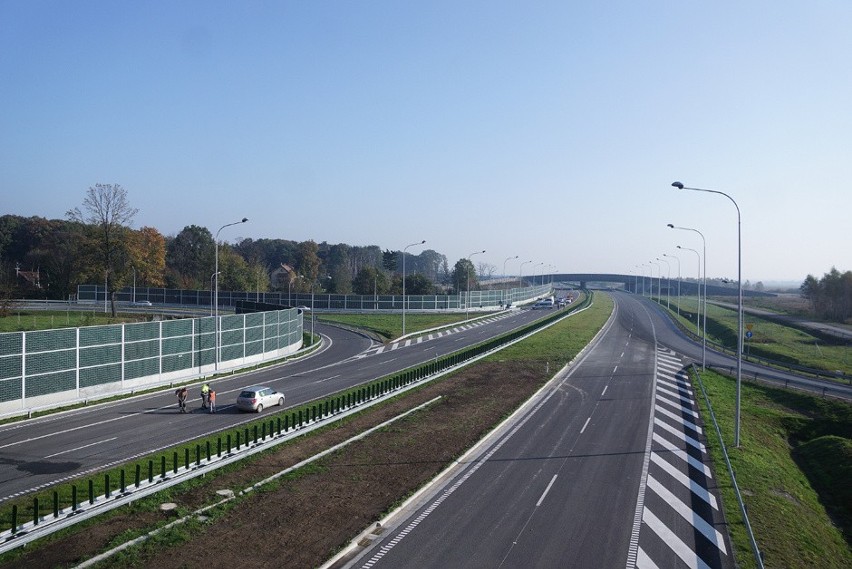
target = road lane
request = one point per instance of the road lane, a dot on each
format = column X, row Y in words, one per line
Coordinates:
column 563, row 484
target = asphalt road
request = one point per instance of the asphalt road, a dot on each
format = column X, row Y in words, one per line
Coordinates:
column 38, row 453
column 602, row 469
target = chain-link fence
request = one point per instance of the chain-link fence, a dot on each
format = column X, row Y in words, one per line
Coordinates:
column 47, row 367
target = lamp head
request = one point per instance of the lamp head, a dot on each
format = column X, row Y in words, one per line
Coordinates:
column 670, row 225
column 679, row 247
column 677, row 185
column 244, row 220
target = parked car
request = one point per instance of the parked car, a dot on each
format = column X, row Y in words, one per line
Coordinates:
column 257, row 397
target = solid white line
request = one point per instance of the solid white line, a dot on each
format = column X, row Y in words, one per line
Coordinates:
column 586, row 424
column 546, row 490
column 80, row 448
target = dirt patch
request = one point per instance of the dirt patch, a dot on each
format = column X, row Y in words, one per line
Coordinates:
column 306, row 518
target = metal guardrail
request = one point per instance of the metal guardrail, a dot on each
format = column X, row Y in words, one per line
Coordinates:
column 758, row 557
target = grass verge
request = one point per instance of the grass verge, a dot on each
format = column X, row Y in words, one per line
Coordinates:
column 793, row 467
column 389, row 326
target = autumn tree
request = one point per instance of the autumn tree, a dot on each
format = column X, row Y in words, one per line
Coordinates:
column 148, row 256
column 108, row 214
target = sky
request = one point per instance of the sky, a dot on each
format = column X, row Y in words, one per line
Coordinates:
column 550, row 131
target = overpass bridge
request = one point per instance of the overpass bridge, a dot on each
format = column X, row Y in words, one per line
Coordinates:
column 637, row 284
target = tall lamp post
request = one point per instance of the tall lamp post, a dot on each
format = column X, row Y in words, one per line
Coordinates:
column 704, row 247
column 668, row 280
column 698, row 284
column 504, row 275
column 403, row 281
column 216, row 292
column 678, row 279
column 467, row 304
column 659, row 280
column 680, row 186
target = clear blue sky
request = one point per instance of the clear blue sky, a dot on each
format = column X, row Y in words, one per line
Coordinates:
column 548, row 130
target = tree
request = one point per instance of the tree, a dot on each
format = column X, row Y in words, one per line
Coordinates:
column 307, row 261
column 389, row 260
column 370, row 280
column 464, row 275
column 190, row 258
column 108, row 212
column 148, row 256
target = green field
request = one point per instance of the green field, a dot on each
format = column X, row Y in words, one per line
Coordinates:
column 770, row 340
column 793, row 467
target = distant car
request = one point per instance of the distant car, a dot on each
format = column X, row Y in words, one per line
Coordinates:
column 142, row 303
column 303, row 308
column 257, row 397
column 542, row 304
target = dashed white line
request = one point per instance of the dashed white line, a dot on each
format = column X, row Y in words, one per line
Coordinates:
column 80, row 448
column 586, row 424
column 546, row 490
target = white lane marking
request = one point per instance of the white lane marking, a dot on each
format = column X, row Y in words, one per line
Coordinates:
column 380, row 350
column 604, row 391
column 546, row 490
column 673, row 541
column 679, row 419
column 25, row 441
column 688, row 514
column 644, row 562
column 622, row 355
column 395, row 346
column 679, row 407
column 615, row 369
column 326, row 379
column 675, row 385
column 407, row 343
column 586, row 424
column 683, row 455
column 673, row 394
column 688, row 440
column 80, row 448
column 695, row 487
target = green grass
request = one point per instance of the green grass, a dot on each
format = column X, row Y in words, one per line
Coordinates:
column 389, row 326
column 770, row 340
column 793, row 467
column 25, row 321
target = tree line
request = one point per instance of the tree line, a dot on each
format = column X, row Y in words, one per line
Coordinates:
column 831, row 296
column 95, row 244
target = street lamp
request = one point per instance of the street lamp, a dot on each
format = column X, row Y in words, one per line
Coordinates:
column 678, row 279
column 698, row 283
column 403, row 281
column 521, row 272
column 211, row 293
column 216, row 292
column 680, row 186
column 504, row 274
column 704, row 245
column 467, row 304
column 668, row 281
column 659, row 280
column 134, row 284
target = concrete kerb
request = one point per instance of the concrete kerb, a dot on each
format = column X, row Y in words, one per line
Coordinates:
column 433, row 487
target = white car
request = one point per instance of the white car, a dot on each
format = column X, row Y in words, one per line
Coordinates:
column 257, row 397
column 142, row 303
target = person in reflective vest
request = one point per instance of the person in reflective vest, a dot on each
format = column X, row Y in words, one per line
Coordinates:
column 205, row 392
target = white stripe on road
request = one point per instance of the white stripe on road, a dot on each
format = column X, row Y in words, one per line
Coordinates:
column 688, row 514
column 683, row 455
column 688, row 440
column 586, row 424
column 673, row 541
column 679, row 419
column 546, row 490
column 80, row 448
column 695, row 487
